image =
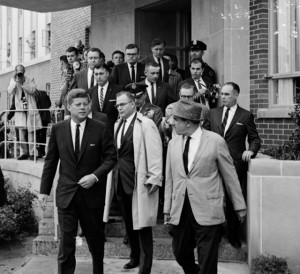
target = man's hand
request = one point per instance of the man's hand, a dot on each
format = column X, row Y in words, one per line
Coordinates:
column 241, row 215
column 247, row 155
column 153, row 189
column 87, row 181
column 43, row 200
column 167, row 218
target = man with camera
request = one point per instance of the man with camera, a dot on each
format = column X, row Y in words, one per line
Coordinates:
column 27, row 117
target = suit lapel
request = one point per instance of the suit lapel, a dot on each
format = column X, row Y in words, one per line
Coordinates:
column 117, row 128
column 129, row 130
column 127, row 71
column 202, row 146
column 85, row 79
column 88, row 131
column 96, row 96
column 234, row 119
column 107, row 95
column 219, row 120
column 69, row 140
column 158, row 93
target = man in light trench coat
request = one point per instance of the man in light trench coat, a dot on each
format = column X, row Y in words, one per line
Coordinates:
column 137, row 176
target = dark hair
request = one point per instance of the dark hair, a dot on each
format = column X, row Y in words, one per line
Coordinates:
column 105, row 66
column 132, row 46
column 188, row 86
column 197, row 61
column 101, row 54
column 185, row 120
column 157, row 41
column 152, row 64
column 78, row 93
column 234, row 86
column 20, row 66
column 64, row 59
column 71, row 49
column 118, row 52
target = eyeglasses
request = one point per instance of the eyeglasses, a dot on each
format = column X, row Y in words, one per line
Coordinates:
column 122, row 105
column 131, row 54
column 186, row 96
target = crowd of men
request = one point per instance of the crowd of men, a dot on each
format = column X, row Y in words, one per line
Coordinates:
column 148, row 133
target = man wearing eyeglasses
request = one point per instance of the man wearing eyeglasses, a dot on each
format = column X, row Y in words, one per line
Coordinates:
column 131, row 71
column 138, row 175
column 85, row 79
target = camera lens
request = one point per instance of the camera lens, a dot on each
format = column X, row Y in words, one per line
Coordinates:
column 20, row 74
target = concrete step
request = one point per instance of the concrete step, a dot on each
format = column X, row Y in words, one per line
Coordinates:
column 49, row 211
column 114, row 248
column 114, row 229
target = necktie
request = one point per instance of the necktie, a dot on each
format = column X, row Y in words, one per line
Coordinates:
column 225, row 120
column 160, row 71
column 101, row 98
column 92, row 80
column 77, row 145
column 132, row 74
column 198, row 84
column 186, row 155
column 123, row 131
column 153, row 93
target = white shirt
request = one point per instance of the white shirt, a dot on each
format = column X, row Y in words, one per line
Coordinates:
column 104, row 91
column 161, row 63
column 127, row 124
column 149, row 90
column 230, row 116
column 81, row 131
column 194, row 144
column 135, row 69
column 89, row 78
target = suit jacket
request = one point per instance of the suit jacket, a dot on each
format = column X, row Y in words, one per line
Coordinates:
column 241, row 127
column 80, row 80
column 208, row 74
column 150, row 58
column 152, row 112
column 148, row 170
column 164, row 95
column 121, row 76
column 108, row 105
column 97, row 156
column 211, row 164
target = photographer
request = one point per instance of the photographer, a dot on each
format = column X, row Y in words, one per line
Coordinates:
column 67, row 77
column 24, row 88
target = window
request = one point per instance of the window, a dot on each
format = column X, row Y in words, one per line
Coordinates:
column 284, row 51
column 20, row 50
column 46, row 42
column 31, row 44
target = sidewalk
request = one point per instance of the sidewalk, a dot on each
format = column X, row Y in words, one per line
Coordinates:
column 47, row 265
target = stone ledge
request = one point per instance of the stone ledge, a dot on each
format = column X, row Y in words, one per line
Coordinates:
column 274, row 112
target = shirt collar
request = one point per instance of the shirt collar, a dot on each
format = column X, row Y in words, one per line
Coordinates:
column 197, row 133
column 148, row 83
column 129, row 119
column 82, row 124
column 104, row 87
column 231, row 108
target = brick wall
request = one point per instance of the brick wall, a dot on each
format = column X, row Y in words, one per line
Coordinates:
column 67, row 27
column 272, row 131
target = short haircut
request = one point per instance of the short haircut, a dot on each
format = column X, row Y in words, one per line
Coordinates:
column 185, row 120
column 132, row 46
column 64, row 59
column 78, row 93
column 101, row 54
column 172, row 57
column 187, row 86
column 104, row 66
column 197, row 61
column 71, row 49
column 157, row 41
column 151, row 64
column 118, row 52
column 127, row 93
column 20, row 66
column 233, row 85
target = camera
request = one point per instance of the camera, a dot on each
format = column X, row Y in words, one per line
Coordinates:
column 20, row 74
column 70, row 72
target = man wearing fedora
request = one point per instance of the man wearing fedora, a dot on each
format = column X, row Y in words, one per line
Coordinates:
column 197, row 162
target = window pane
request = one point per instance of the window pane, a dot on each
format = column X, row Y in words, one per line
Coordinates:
column 296, row 35
column 284, row 91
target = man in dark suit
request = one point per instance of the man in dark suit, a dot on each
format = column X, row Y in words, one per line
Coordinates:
column 197, row 161
column 158, row 93
column 138, row 175
column 201, row 83
column 85, row 79
column 196, row 50
column 104, row 95
column 131, row 71
column 236, row 125
column 158, row 49
column 87, row 154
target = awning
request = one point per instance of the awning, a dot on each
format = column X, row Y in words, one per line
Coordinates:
column 47, row 5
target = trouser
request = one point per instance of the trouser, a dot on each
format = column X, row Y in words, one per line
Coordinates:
column 41, row 136
column 140, row 241
column 186, row 234
column 92, row 227
column 24, row 136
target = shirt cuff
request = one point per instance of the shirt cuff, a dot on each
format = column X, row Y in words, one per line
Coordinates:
column 95, row 177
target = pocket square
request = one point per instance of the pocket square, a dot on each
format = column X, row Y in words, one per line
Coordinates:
column 239, row 124
column 92, row 145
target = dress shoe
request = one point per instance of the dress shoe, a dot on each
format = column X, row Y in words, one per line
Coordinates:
column 41, row 155
column 31, row 157
column 236, row 243
column 23, row 157
column 125, row 241
column 131, row 264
